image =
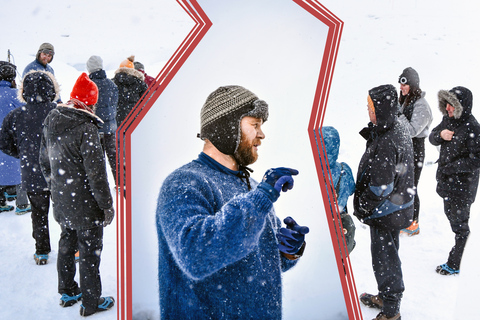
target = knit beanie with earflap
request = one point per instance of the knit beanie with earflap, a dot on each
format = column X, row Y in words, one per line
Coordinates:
column 46, row 48
column 222, row 112
column 84, row 91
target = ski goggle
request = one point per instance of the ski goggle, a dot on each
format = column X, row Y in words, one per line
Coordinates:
column 48, row 51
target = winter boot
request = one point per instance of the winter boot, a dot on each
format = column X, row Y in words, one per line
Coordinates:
column 371, row 301
column 23, row 208
column 445, row 270
column 382, row 316
column 68, row 301
column 412, row 230
column 104, row 304
column 10, row 197
column 5, row 208
column 41, row 259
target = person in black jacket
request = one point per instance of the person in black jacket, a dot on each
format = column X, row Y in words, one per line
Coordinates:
column 73, row 163
column 20, row 137
column 384, row 197
column 458, row 136
column 131, row 86
column 105, row 109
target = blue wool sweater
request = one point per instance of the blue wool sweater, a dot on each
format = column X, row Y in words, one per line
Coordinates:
column 218, row 255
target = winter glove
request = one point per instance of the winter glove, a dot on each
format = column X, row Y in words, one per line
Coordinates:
column 276, row 180
column 348, row 230
column 292, row 238
column 109, row 214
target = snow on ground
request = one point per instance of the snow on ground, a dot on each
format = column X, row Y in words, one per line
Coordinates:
column 379, row 39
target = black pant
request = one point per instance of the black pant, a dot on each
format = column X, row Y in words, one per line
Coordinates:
column 418, row 160
column 40, row 202
column 109, row 147
column 458, row 214
column 387, row 268
column 89, row 242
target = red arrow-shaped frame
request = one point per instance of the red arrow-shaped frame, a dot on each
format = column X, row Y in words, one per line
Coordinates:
column 124, row 196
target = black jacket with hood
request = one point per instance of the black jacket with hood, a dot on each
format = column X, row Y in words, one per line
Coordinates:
column 21, row 131
column 384, row 189
column 459, row 160
column 131, row 86
column 73, row 163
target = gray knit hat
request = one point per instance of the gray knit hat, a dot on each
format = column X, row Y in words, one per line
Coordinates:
column 409, row 76
column 46, row 48
column 222, row 112
column 94, row 63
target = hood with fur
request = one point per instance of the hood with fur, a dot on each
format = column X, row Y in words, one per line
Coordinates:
column 130, row 72
column 458, row 97
column 39, row 87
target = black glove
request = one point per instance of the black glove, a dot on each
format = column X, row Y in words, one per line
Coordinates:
column 109, row 214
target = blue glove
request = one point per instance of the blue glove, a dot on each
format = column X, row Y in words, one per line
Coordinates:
column 276, row 180
column 280, row 178
column 291, row 238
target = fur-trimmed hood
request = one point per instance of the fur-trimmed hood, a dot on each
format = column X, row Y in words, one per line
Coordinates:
column 38, row 87
column 460, row 98
column 129, row 71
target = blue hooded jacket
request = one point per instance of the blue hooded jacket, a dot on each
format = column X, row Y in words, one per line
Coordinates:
column 9, row 166
column 340, row 170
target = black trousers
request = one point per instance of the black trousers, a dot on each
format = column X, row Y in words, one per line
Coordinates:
column 418, row 160
column 89, row 242
column 109, row 147
column 458, row 214
column 387, row 268
column 40, row 202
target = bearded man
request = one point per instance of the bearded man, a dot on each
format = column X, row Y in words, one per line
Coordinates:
column 221, row 247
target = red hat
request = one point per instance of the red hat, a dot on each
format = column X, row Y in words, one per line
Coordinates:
column 85, row 90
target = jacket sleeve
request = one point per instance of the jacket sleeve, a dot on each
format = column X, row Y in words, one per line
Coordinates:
column 421, row 118
column 434, row 136
column 94, row 163
column 201, row 240
column 381, row 178
column 8, row 140
column 45, row 161
column 470, row 160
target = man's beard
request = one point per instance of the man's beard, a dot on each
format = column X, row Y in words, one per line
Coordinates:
column 245, row 154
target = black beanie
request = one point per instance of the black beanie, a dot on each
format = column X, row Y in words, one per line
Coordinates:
column 409, row 76
column 8, row 71
column 222, row 112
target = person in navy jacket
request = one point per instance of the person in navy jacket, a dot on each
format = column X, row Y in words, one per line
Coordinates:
column 105, row 109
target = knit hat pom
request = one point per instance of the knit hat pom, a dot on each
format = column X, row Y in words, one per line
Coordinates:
column 128, row 63
column 85, row 90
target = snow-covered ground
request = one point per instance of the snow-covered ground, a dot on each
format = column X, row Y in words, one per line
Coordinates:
column 380, row 38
